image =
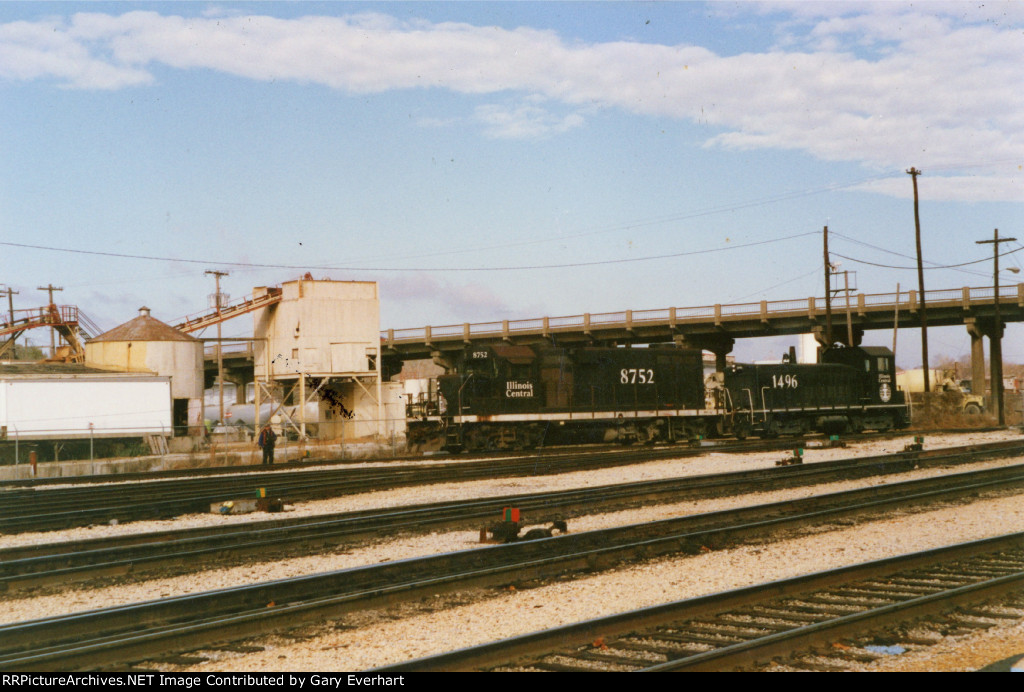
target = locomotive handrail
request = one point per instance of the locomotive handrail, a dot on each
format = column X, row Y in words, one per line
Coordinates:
column 904, row 300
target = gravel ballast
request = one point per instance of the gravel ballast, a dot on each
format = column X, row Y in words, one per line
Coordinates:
column 414, row 630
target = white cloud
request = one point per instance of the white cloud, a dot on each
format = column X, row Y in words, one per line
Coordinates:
column 524, row 121
column 883, row 84
column 46, row 49
column 956, row 188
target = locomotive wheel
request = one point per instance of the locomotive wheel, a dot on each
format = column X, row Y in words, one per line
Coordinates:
column 741, row 428
column 533, row 437
column 648, row 434
column 476, row 440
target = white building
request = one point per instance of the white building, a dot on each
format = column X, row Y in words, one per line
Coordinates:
column 321, row 342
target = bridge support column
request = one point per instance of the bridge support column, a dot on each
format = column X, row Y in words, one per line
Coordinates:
column 977, row 329
column 819, row 335
column 837, row 337
column 442, row 359
column 240, row 381
column 977, row 334
column 719, row 344
column 858, row 336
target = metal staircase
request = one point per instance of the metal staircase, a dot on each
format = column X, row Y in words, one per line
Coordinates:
column 61, row 318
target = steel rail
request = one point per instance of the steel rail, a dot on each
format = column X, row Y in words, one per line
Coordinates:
column 776, row 598
column 127, row 633
column 48, row 509
column 37, row 565
column 550, row 454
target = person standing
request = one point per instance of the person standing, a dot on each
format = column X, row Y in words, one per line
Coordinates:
column 266, row 441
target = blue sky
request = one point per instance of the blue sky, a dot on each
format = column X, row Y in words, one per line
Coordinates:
column 488, row 161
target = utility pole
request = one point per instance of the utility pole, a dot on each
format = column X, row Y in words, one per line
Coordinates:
column 828, row 295
column 50, row 288
column 849, row 317
column 996, row 340
column 896, row 320
column 220, row 356
column 10, row 311
column 913, row 172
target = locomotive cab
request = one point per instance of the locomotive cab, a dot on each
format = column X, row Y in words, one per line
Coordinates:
column 878, row 366
column 491, row 380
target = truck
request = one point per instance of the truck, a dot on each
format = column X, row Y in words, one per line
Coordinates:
column 84, row 406
column 912, row 381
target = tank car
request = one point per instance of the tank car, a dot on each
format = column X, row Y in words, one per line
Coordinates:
column 853, row 389
column 519, row 397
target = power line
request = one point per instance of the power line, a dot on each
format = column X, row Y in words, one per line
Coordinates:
column 669, row 218
column 258, row 265
column 899, row 254
column 934, row 266
column 771, row 288
column 797, row 194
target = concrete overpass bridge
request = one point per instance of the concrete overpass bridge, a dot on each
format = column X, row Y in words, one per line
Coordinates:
column 716, row 327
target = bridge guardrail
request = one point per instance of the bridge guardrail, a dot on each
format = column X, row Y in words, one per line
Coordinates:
column 905, row 300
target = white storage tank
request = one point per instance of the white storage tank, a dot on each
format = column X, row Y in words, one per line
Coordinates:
column 147, row 345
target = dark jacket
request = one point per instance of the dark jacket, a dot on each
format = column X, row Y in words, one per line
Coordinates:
column 266, row 438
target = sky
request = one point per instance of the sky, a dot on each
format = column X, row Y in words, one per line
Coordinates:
column 488, row 160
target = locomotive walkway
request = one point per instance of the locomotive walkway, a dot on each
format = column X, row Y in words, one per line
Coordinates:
column 716, row 327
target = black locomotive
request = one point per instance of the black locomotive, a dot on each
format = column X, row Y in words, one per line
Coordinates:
column 853, row 389
column 520, row 397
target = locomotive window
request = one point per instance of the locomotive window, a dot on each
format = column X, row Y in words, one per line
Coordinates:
column 867, row 366
column 520, row 372
column 482, row 368
column 883, row 365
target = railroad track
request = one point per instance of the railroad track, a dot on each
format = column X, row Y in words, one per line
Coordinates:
column 806, row 622
column 45, row 509
column 552, row 454
column 120, row 635
column 32, row 566
column 42, row 509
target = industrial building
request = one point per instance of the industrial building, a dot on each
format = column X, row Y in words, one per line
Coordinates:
column 319, row 341
column 314, row 359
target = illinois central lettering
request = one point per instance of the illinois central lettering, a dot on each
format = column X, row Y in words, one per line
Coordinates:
column 517, row 390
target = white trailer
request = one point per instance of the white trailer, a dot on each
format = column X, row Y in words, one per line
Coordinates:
column 54, row 407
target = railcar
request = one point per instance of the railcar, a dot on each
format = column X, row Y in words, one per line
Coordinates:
column 852, row 390
column 519, row 397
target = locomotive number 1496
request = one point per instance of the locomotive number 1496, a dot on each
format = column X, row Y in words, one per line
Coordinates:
column 784, row 382
column 636, row 376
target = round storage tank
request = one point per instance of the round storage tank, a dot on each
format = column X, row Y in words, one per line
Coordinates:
column 146, row 344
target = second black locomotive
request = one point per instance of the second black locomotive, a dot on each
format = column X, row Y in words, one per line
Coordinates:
column 853, row 389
